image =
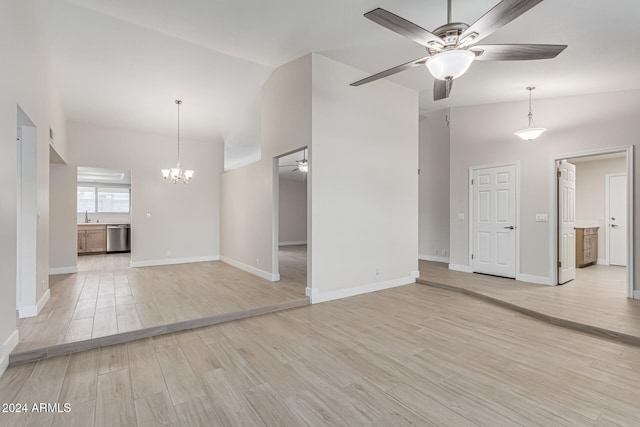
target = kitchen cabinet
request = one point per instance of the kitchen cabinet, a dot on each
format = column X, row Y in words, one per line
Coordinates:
column 586, row 246
column 92, row 238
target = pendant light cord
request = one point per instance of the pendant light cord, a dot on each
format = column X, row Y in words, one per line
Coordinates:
column 178, row 102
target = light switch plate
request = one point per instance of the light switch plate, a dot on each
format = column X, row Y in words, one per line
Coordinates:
column 460, row 216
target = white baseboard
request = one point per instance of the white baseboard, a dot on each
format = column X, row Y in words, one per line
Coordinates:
column 602, row 261
column 444, row 259
column 415, row 274
column 34, row 310
column 539, row 280
column 62, row 270
column 317, row 296
column 249, row 269
column 6, row 349
column 300, row 242
column 171, row 261
column 462, row 268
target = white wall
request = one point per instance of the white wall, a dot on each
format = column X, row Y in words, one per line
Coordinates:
column 27, row 81
column 292, row 212
column 484, row 135
column 184, row 223
column 433, row 230
column 591, row 195
column 364, row 218
column 248, row 226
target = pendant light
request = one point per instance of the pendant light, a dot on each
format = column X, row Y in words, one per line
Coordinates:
column 176, row 174
column 531, row 132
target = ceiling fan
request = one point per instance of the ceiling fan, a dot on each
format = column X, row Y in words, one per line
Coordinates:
column 301, row 165
column 452, row 47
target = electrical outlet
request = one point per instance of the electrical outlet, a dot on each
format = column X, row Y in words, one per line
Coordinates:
column 168, row 253
column 377, row 273
column 147, row 216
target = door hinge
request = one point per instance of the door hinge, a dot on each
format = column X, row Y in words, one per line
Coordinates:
column 471, row 256
column 559, row 264
column 471, row 182
column 559, row 173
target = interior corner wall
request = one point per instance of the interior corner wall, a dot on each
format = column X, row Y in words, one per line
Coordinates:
column 183, row 224
column 364, row 164
column 63, row 228
column 247, row 236
column 433, row 234
column 292, row 212
column 484, row 135
column 28, row 83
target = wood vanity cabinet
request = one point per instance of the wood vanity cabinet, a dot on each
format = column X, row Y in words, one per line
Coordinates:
column 92, row 238
column 586, row 246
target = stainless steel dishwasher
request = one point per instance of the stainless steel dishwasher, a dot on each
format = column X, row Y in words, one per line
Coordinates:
column 118, row 238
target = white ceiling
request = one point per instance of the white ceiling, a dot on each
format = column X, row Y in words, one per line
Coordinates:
column 123, row 63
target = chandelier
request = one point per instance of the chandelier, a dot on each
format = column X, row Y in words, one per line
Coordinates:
column 531, row 132
column 176, row 174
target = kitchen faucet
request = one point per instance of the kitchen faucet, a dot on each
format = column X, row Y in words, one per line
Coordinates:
column 86, row 217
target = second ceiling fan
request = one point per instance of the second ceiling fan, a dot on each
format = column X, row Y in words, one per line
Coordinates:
column 452, row 47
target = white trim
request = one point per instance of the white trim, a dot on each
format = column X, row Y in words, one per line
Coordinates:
column 539, row 280
column 602, row 261
column 34, row 310
column 293, row 243
column 317, row 297
column 470, row 220
column 415, row 274
column 459, row 267
column 310, row 292
column 62, row 270
column 6, row 349
column 249, row 269
column 553, row 203
column 171, row 261
column 636, row 294
column 444, row 259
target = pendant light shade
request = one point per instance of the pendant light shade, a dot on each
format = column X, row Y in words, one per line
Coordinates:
column 450, row 64
column 531, row 132
column 176, row 174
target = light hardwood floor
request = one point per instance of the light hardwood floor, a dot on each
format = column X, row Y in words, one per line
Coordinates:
column 107, row 297
column 597, row 299
column 412, row 355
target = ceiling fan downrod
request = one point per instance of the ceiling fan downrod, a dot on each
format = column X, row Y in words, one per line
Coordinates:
column 449, row 12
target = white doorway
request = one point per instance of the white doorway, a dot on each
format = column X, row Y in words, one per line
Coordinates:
column 616, row 219
column 291, row 219
column 494, row 206
column 592, row 223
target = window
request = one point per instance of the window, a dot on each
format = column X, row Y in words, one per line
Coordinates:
column 104, row 199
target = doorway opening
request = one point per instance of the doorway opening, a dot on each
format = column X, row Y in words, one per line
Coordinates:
column 593, row 199
column 291, row 216
column 103, row 211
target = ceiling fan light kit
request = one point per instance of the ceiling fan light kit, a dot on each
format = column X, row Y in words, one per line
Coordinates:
column 176, row 174
column 531, row 132
column 452, row 48
column 450, row 64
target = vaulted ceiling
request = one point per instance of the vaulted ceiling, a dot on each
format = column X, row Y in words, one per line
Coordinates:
column 123, row 62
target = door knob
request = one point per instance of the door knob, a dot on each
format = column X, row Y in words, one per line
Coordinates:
column 511, row 227
column 613, row 219
column 614, row 226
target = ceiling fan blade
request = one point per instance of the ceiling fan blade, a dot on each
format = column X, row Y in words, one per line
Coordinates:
column 501, row 14
column 516, row 52
column 403, row 27
column 391, row 71
column 441, row 89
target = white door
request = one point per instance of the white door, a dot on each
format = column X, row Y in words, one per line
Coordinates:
column 617, row 220
column 566, row 222
column 494, row 221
